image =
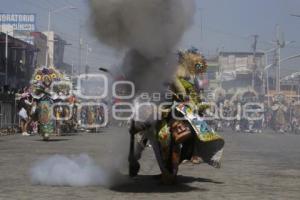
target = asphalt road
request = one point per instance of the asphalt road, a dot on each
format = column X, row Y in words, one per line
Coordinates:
column 255, row 166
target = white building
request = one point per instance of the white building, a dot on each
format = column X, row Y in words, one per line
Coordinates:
column 237, row 69
column 56, row 48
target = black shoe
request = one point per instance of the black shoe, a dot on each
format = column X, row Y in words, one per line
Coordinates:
column 134, row 168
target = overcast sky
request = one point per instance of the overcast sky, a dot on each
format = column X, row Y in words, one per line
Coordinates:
column 219, row 24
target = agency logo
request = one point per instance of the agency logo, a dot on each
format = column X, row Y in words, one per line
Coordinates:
column 101, row 100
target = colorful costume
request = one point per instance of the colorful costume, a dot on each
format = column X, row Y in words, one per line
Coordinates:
column 202, row 140
column 279, row 113
column 42, row 81
column 178, row 139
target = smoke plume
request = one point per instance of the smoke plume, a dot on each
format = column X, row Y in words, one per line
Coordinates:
column 73, row 171
column 82, row 170
column 148, row 30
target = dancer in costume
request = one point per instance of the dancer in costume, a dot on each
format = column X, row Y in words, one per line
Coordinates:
column 42, row 81
column 279, row 113
column 181, row 133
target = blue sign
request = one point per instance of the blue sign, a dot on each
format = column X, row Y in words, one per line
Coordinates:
column 22, row 23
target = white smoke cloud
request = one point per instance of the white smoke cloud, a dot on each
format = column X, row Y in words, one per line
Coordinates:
column 76, row 171
column 82, row 170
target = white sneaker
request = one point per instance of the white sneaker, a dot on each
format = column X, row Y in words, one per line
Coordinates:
column 25, row 134
column 185, row 161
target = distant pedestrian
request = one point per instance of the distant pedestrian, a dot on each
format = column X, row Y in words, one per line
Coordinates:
column 24, row 107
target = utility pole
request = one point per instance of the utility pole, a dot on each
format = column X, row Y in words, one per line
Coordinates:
column 266, row 71
column 280, row 43
column 80, row 51
column 278, row 52
column 6, row 58
column 49, row 29
column 86, row 61
column 88, row 49
column 48, row 35
column 254, row 46
column 72, row 72
column 278, row 55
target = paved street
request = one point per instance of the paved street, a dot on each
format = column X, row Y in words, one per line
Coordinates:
column 256, row 166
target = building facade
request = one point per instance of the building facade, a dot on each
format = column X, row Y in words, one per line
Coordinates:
column 241, row 70
column 19, row 63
